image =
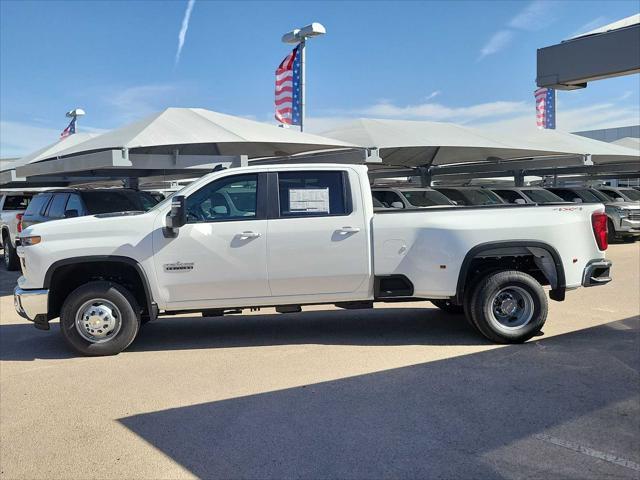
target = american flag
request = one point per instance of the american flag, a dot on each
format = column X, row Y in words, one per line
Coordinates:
column 545, row 107
column 289, row 89
column 70, row 130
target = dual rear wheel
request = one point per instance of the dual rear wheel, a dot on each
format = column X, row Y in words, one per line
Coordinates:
column 506, row 306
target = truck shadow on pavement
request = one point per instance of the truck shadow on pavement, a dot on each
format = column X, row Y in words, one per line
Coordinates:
column 380, row 326
column 481, row 415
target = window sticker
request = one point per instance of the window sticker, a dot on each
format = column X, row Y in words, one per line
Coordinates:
column 314, row 200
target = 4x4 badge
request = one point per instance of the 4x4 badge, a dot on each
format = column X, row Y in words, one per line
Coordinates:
column 178, row 267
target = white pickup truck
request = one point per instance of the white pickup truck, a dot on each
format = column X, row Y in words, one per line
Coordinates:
column 293, row 235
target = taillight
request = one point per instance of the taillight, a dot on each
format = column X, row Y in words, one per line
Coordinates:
column 19, row 220
column 599, row 224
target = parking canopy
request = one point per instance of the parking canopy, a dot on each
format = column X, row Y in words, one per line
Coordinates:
column 416, row 143
column 569, row 143
column 200, row 131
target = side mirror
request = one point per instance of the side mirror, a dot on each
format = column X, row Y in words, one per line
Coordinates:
column 177, row 217
column 71, row 213
column 619, row 199
column 397, row 205
column 577, row 200
column 520, row 201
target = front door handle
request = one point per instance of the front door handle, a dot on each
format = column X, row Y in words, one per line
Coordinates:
column 345, row 230
column 249, row 235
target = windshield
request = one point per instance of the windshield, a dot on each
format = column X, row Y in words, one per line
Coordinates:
column 631, row 194
column 542, row 196
column 168, row 199
column 425, row 198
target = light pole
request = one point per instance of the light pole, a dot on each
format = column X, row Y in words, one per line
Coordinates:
column 74, row 114
column 299, row 36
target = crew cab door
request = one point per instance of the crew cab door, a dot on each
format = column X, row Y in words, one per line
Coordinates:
column 318, row 237
column 220, row 254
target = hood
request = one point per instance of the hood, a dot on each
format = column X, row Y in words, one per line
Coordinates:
column 93, row 225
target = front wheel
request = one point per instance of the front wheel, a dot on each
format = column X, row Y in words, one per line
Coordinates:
column 508, row 307
column 9, row 256
column 100, row 318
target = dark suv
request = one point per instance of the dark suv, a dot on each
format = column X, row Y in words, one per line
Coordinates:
column 70, row 203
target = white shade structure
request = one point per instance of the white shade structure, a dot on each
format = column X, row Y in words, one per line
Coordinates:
column 200, row 131
column 414, row 143
column 569, row 143
column 173, row 141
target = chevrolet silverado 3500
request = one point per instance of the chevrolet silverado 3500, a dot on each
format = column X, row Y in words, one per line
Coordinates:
column 286, row 236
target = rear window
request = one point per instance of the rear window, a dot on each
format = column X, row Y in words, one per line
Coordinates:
column 509, row 196
column 37, row 204
column 425, row 198
column 471, row 196
column 16, row 202
column 111, row 201
column 542, row 196
column 631, row 194
column 306, row 193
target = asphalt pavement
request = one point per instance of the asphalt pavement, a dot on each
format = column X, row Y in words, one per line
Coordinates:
column 402, row 391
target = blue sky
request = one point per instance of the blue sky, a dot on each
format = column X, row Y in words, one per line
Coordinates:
column 466, row 62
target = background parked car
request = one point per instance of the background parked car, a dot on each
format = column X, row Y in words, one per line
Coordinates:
column 627, row 194
column 623, row 217
column 12, row 207
column 470, row 195
column 77, row 203
column 409, row 197
column 526, row 195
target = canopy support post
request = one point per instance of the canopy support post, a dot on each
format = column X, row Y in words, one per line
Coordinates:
column 132, row 182
column 518, row 178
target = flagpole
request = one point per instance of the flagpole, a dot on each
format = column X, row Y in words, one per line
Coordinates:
column 303, row 49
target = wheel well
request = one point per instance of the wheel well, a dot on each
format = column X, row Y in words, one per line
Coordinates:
column 538, row 260
column 66, row 278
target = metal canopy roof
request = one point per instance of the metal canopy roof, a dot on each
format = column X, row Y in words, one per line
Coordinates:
column 417, row 143
column 195, row 131
column 600, row 152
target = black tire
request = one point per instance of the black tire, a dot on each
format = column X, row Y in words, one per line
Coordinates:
column 448, row 306
column 121, row 298
column 9, row 255
column 518, row 287
column 611, row 232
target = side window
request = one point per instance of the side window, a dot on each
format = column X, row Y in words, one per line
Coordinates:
column 610, row 194
column 454, row 195
column 566, row 195
column 312, row 194
column 508, row 196
column 38, row 205
column 56, row 207
column 74, row 203
column 388, row 198
column 230, row 198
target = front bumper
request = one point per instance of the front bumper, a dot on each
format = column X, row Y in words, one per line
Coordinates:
column 628, row 226
column 32, row 305
column 597, row 272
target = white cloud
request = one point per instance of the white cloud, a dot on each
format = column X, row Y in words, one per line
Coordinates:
column 593, row 117
column 183, row 30
column 438, row 111
column 591, row 25
column 18, row 139
column 433, row 94
column 136, row 102
column 535, row 16
column 498, row 41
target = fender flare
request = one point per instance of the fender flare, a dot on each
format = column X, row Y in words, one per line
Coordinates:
column 557, row 293
column 151, row 307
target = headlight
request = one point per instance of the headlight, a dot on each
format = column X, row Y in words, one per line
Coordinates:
column 622, row 211
column 28, row 241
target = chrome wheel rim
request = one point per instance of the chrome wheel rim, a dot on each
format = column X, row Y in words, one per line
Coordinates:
column 511, row 307
column 98, row 320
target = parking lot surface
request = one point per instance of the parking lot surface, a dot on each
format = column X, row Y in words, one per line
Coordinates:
column 403, row 391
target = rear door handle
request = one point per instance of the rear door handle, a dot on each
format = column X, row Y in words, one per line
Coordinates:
column 345, row 230
column 249, row 235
